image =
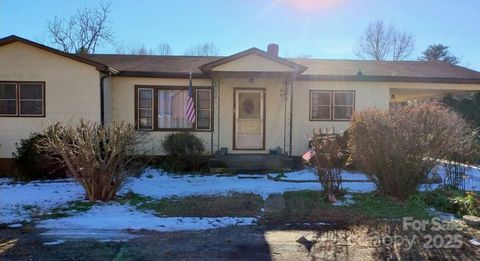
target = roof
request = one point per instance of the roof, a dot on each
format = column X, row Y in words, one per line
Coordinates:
column 382, row 70
column 13, row 38
column 316, row 69
column 154, row 65
column 307, row 69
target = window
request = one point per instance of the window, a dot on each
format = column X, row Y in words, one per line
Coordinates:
column 320, row 105
column 331, row 105
column 204, row 109
column 8, row 99
column 164, row 108
column 343, row 105
column 22, row 99
column 31, row 99
column 171, row 109
column 145, row 109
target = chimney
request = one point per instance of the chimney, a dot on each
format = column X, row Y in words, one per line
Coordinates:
column 272, row 49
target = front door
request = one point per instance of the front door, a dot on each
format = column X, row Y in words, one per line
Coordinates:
column 249, row 123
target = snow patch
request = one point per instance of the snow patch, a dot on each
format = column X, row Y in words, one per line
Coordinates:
column 18, row 201
column 123, row 217
column 56, row 242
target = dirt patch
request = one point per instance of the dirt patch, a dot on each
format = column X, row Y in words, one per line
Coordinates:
column 355, row 242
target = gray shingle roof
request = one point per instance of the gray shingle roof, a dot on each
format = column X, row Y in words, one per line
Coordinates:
column 315, row 67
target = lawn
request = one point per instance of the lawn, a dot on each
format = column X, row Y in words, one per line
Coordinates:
column 278, row 210
column 168, row 202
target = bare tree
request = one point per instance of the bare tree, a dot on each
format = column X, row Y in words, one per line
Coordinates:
column 381, row 41
column 203, row 49
column 304, row 56
column 136, row 49
column 83, row 32
column 402, row 45
column 164, row 49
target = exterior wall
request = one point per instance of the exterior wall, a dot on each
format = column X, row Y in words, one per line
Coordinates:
column 252, row 63
column 71, row 91
column 123, row 109
column 367, row 95
column 274, row 112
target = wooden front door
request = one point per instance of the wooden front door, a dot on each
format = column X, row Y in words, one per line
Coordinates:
column 249, row 123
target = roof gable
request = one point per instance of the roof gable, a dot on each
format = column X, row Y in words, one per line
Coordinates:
column 253, row 60
column 13, row 38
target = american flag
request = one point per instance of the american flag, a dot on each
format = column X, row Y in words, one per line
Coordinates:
column 308, row 155
column 190, row 111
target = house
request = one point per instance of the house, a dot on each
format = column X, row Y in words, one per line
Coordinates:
column 249, row 102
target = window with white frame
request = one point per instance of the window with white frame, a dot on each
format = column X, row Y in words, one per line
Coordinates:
column 145, row 109
column 331, row 105
column 204, row 109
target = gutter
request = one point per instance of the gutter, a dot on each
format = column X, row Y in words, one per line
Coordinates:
column 380, row 78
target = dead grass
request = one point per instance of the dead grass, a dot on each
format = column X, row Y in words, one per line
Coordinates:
column 308, row 206
column 234, row 205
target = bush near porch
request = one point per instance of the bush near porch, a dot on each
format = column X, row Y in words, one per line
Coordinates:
column 184, row 152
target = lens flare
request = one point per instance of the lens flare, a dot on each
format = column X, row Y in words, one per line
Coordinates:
column 313, row 5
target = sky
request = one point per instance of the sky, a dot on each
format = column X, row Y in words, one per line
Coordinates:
column 318, row 28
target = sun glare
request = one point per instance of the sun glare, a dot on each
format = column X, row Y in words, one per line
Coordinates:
column 313, row 5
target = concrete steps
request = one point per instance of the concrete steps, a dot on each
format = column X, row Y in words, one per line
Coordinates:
column 251, row 163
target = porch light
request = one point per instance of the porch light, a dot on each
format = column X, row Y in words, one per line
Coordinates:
column 393, row 97
column 251, row 80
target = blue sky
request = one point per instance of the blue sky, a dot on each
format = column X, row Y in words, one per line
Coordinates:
column 320, row 28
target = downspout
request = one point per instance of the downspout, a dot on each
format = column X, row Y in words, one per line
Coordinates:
column 285, row 117
column 218, row 113
column 291, row 118
column 213, row 120
column 102, row 99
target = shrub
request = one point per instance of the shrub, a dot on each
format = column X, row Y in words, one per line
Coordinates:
column 329, row 159
column 33, row 164
column 398, row 148
column 467, row 204
column 184, row 151
column 96, row 156
column 454, row 201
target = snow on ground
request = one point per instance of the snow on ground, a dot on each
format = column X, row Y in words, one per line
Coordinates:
column 309, row 175
column 17, row 201
column 127, row 217
column 472, row 180
column 157, row 184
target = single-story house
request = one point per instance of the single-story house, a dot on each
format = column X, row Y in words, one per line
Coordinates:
column 248, row 102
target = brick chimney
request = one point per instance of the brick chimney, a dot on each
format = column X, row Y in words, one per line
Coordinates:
column 272, row 49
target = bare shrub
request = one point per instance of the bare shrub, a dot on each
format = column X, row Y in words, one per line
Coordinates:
column 329, row 159
column 398, row 148
column 96, row 156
